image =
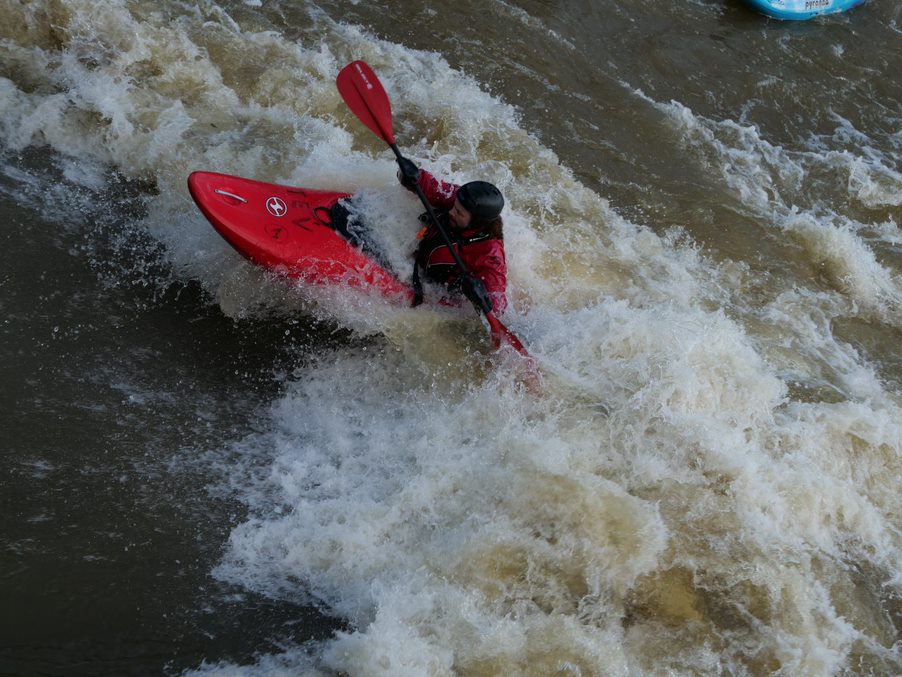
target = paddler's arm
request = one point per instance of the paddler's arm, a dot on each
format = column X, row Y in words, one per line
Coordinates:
column 490, row 274
column 440, row 194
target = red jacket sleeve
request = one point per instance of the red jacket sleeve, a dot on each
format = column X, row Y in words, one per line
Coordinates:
column 489, row 265
column 438, row 193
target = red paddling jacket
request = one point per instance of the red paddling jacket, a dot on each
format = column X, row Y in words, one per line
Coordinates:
column 482, row 254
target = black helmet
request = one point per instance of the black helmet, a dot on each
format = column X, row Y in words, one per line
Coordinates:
column 483, row 200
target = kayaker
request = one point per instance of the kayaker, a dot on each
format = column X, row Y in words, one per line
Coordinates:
column 471, row 215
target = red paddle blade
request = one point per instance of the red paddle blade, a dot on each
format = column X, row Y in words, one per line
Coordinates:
column 365, row 96
column 503, row 335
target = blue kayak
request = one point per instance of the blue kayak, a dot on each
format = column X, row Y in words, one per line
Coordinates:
column 801, row 9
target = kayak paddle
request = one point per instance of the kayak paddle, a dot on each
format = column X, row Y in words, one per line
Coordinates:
column 366, row 97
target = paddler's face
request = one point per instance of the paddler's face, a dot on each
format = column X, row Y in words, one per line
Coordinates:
column 460, row 218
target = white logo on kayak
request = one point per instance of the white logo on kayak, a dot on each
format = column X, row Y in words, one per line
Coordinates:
column 276, row 206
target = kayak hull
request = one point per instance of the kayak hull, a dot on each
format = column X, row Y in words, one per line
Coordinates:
column 795, row 10
column 288, row 230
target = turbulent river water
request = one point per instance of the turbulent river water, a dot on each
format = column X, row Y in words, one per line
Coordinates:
column 208, row 470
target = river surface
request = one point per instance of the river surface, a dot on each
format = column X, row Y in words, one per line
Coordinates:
column 210, row 471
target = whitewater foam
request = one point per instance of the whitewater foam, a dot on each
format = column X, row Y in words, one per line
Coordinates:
column 682, row 496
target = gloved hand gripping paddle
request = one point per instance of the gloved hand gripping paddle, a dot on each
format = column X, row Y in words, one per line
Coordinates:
column 408, row 173
column 474, row 289
column 365, row 96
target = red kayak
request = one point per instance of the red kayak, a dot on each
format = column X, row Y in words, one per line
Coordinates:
column 290, row 231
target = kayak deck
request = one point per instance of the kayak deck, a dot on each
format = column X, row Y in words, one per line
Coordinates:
column 289, row 231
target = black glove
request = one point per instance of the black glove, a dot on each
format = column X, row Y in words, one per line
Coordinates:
column 474, row 289
column 408, row 173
